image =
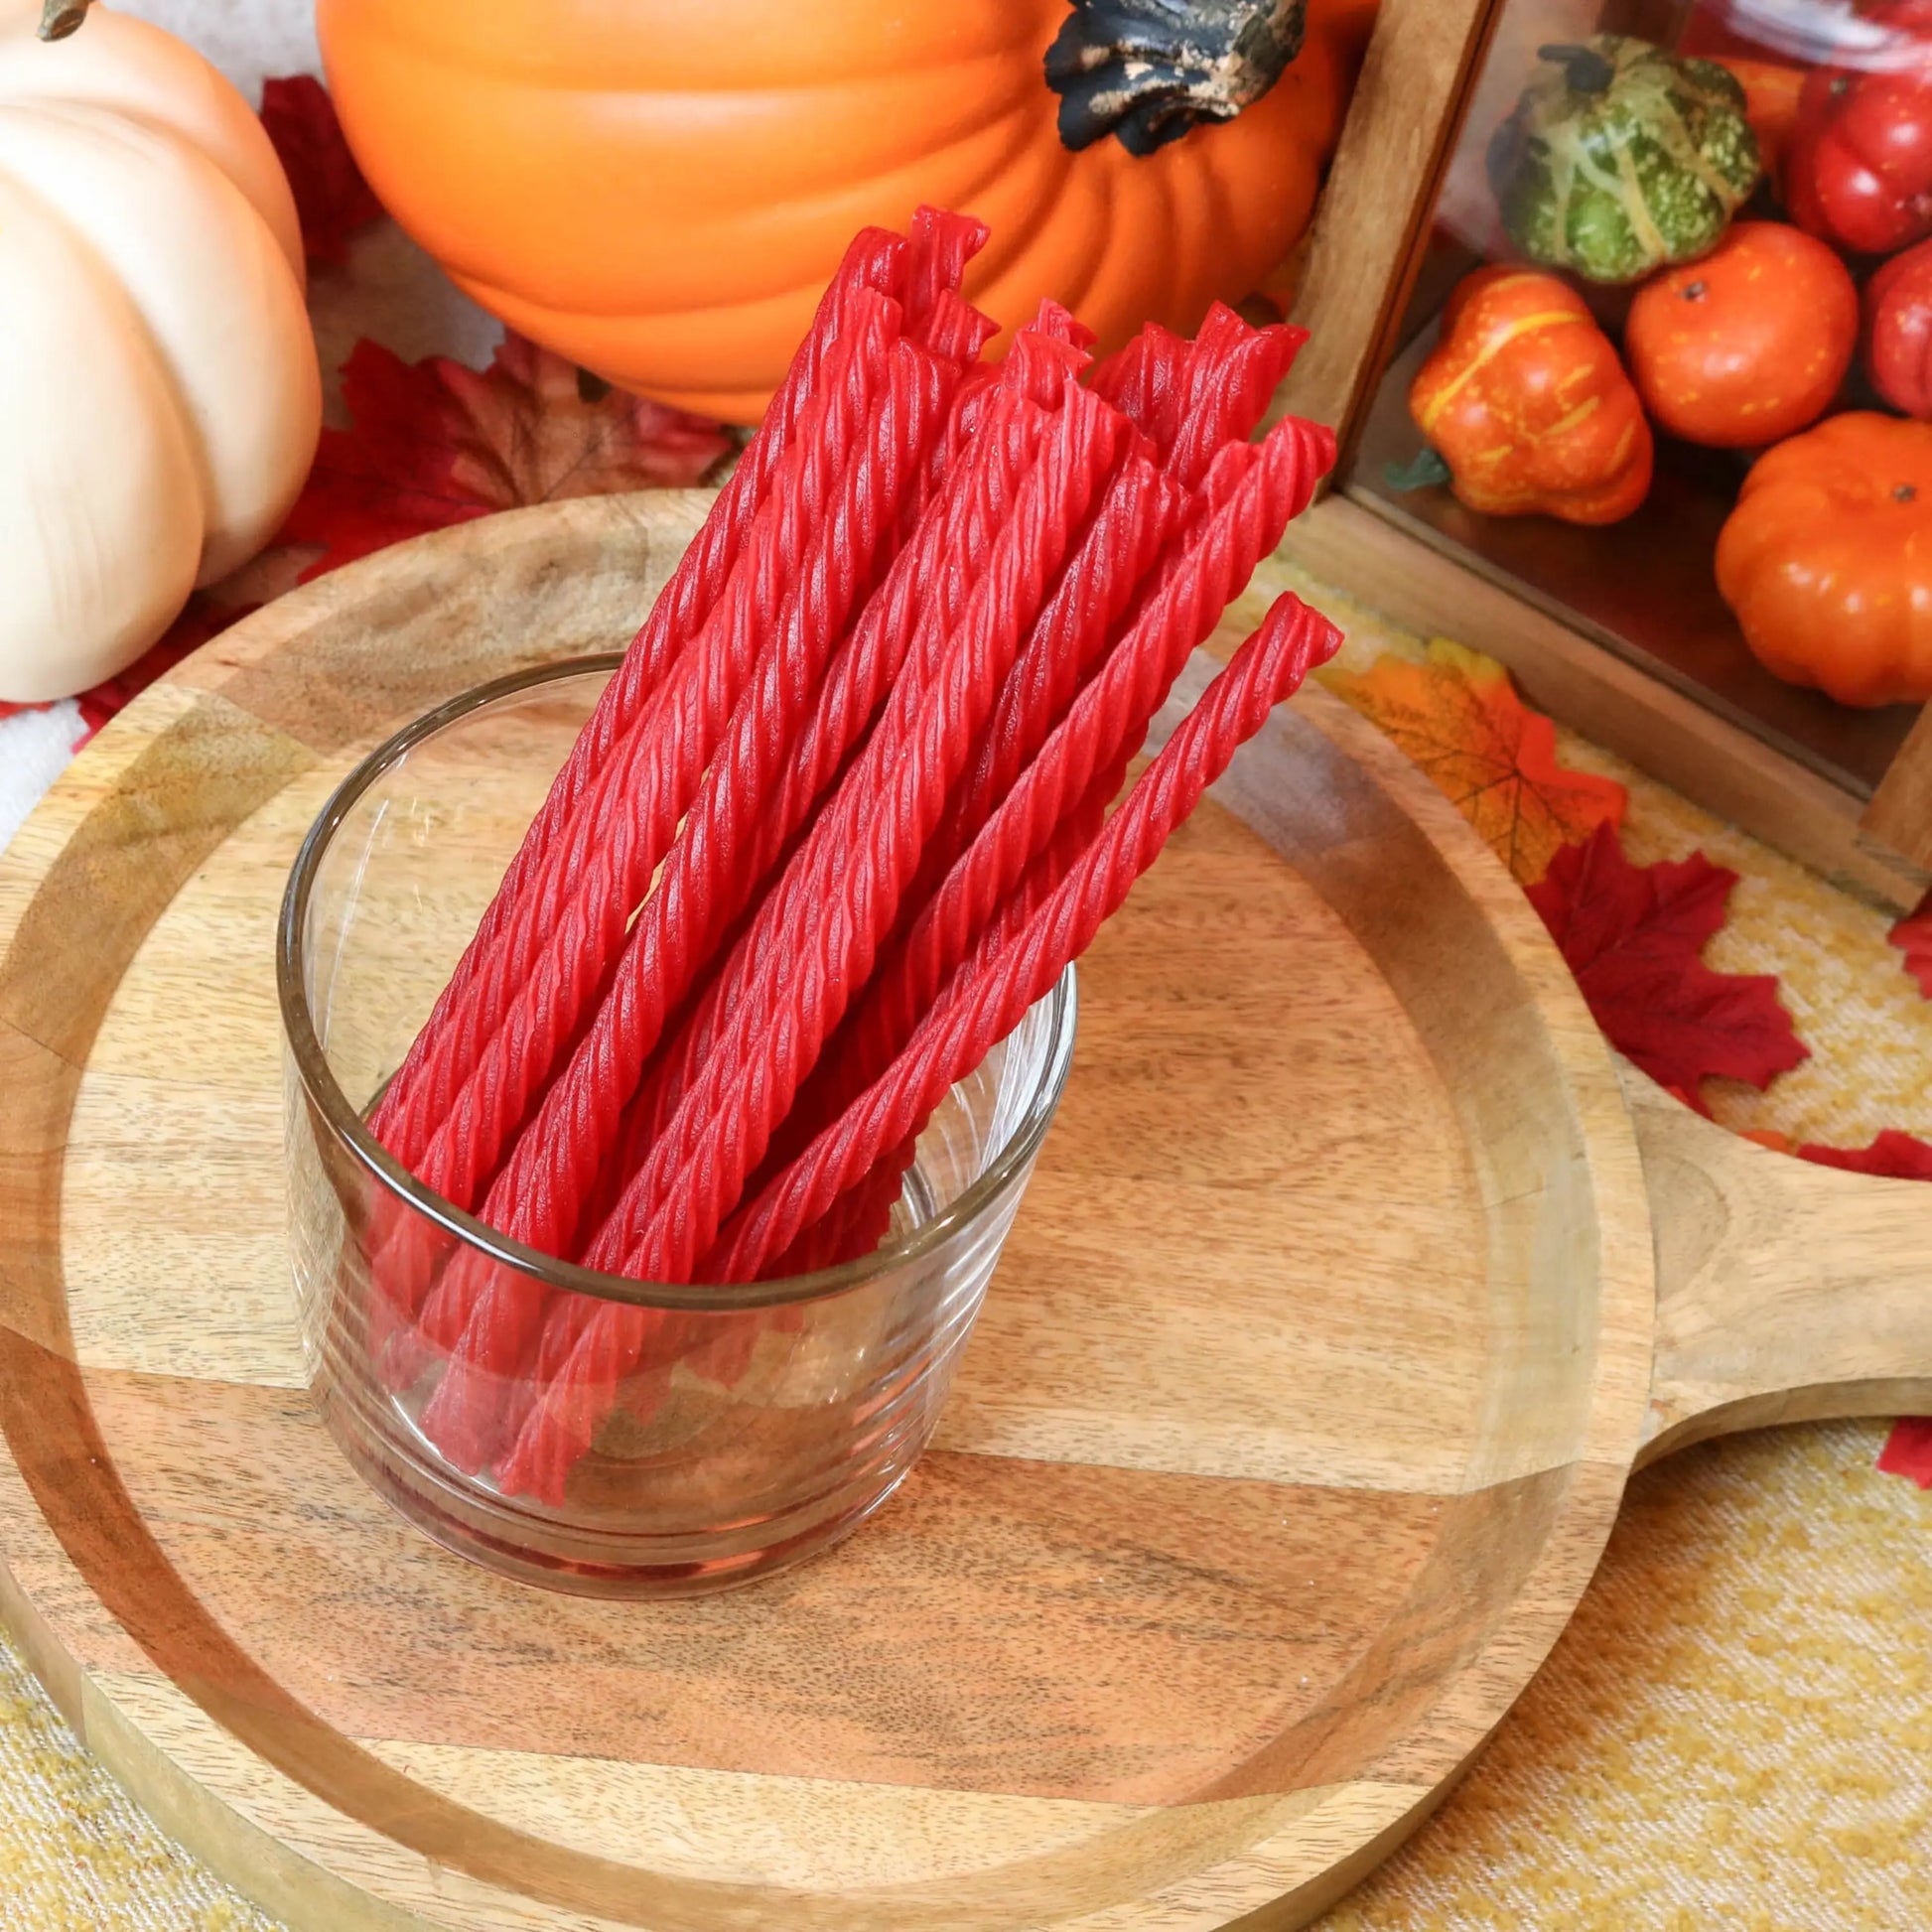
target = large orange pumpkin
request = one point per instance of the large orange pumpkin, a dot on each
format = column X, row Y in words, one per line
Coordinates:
column 659, row 189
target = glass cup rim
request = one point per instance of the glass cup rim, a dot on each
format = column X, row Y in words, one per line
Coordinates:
column 349, row 1129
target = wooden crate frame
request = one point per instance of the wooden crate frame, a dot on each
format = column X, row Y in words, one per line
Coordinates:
column 1365, row 250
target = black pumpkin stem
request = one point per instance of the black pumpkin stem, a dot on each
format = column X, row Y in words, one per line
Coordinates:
column 1148, row 71
column 1586, row 70
column 59, row 18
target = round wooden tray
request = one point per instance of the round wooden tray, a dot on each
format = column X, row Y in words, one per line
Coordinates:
column 1293, row 1428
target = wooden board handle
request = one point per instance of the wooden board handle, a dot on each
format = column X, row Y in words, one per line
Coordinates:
column 1785, row 1292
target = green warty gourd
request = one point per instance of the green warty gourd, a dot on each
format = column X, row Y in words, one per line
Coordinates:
column 1621, row 158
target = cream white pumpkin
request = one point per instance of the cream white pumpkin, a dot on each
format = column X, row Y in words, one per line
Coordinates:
column 159, row 394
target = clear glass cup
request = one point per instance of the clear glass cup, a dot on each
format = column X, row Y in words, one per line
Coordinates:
column 753, row 1425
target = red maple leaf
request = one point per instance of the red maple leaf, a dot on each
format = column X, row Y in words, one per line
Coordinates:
column 1458, row 717
column 1908, row 1451
column 1634, row 936
column 1913, row 937
column 332, row 200
column 1896, row 1155
column 435, row 444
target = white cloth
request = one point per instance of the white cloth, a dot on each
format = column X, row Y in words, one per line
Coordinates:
column 35, row 746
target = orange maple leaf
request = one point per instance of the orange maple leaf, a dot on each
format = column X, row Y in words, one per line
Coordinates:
column 1458, row 717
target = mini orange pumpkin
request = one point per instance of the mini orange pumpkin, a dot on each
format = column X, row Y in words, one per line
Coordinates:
column 659, row 189
column 1827, row 559
column 1747, row 345
column 1526, row 403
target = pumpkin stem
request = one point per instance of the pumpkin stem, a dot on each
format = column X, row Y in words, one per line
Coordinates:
column 1149, row 70
column 1586, row 70
column 59, row 18
column 1428, row 471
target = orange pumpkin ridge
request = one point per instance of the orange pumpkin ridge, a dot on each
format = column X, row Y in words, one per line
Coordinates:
column 1827, row 559
column 660, row 191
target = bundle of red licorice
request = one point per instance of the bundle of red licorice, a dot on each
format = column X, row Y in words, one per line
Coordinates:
column 838, row 821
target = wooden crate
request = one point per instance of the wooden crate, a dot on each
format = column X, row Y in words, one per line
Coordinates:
column 1666, row 680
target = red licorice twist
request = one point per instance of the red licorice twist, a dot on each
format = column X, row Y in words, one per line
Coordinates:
column 1237, row 372
column 556, row 950
column 873, row 261
column 1138, row 516
column 1101, row 730
column 882, row 818
column 1147, row 381
column 676, row 1204
column 860, row 1217
column 1000, row 457
column 939, row 246
column 905, row 628
column 706, row 881
column 1268, row 668
column 573, row 1405
column 600, row 870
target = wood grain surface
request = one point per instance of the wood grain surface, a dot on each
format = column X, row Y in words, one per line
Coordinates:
column 1900, row 814
column 1292, row 1431
column 1366, row 244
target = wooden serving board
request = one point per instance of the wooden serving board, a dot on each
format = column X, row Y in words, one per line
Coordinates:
column 1349, row 1291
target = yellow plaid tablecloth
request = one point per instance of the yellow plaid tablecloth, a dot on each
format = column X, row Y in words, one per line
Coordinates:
column 1737, row 1730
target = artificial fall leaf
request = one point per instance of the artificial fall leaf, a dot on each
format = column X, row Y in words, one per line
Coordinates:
column 332, row 200
column 1458, row 717
column 1908, row 1451
column 1896, row 1155
column 1634, row 936
column 1913, row 937
column 434, row 444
